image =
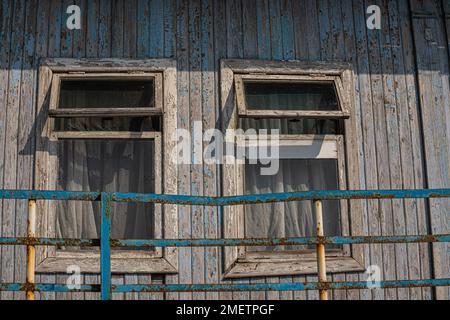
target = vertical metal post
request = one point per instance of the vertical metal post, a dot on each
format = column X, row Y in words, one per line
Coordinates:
column 105, row 249
column 321, row 263
column 31, row 250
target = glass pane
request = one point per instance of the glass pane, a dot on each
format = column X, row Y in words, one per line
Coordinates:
column 114, row 93
column 294, row 126
column 291, row 219
column 319, row 96
column 105, row 165
column 134, row 124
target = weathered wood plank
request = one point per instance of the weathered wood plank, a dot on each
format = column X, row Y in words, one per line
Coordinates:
column 6, row 10
column 42, row 32
column 235, row 49
column 170, row 26
column 382, row 153
column 92, row 32
column 210, row 121
column 338, row 52
column 79, row 37
column 142, row 52
column 350, row 55
column 105, row 28
column 25, row 144
column 11, row 151
column 143, row 30
column 412, row 259
column 250, row 50
column 67, row 51
column 322, row 32
column 371, row 218
column 135, row 30
column 130, row 29
column 66, row 34
column 283, row 26
column 156, row 17
column 184, row 177
column 432, row 63
column 196, row 130
column 417, row 143
column 220, row 51
column 264, row 52
column 55, row 23
column 397, row 221
column 302, row 53
column 117, row 28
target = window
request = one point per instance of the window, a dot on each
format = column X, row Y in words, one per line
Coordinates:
column 106, row 129
column 310, row 107
column 283, row 96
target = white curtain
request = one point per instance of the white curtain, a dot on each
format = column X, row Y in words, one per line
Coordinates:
column 105, row 165
column 295, row 218
column 291, row 219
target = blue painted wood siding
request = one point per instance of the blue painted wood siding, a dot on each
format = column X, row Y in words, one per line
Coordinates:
column 402, row 110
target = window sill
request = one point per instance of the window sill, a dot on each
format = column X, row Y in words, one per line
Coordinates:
column 121, row 263
column 298, row 265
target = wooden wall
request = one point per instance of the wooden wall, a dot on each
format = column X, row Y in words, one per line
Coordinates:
column 402, row 107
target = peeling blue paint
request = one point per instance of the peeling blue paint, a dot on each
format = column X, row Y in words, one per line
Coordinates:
column 298, row 286
column 230, row 200
column 106, row 288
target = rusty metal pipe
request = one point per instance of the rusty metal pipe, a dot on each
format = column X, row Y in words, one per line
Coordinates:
column 321, row 262
column 31, row 249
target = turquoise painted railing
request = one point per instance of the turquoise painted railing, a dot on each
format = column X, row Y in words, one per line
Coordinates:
column 105, row 242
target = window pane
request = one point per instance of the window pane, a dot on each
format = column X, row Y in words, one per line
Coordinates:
column 134, row 124
column 294, row 126
column 105, row 165
column 291, row 219
column 91, row 93
column 290, row 96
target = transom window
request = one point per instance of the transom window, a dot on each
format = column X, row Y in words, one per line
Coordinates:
column 115, row 94
column 107, row 92
column 284, row 96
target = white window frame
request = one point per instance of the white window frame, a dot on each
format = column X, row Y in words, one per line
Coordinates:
column 238, row 263
column 51, row 72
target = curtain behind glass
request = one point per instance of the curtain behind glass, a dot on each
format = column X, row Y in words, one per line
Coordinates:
column 291, row 126
column 291, row 219
column 105, row 165
column 295, row 218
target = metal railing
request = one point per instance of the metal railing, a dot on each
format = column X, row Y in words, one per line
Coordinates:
column 105, row 242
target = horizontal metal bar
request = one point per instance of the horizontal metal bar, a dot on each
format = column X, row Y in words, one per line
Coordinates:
column 48, row 287
column 230, row 200
column 278, row 286
column 45, row 287
column 50, row 242
column 49, row 195
column 282, row 197
column 225, row 242
column 279, row 241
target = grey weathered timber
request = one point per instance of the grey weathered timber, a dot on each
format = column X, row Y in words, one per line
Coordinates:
column 400, row 115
